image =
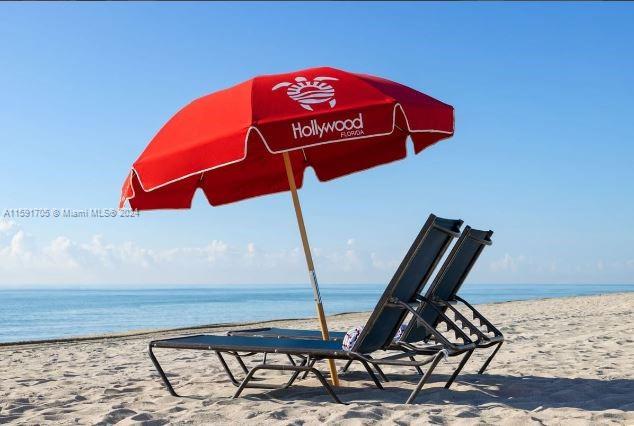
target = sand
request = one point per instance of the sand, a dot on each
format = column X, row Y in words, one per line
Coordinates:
column 565, row 361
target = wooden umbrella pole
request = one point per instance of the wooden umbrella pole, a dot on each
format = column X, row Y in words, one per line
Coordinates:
column 309, row 263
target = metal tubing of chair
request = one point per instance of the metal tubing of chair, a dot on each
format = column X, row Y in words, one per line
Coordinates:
column 375, row 366
column 245, row 381
column 345, row 367
column 371, row 373
column 290, row 358
column 227, row 369
column 478, row 315
column 239, row 359
column 488, row 361
column 381, row 374
column 437, row 336
column 379, row 371
column 457, row 371
column 295, row 375
column 297, row 369
column 310, row 363
column 158, row 368
column 423, row 379
column 389, row 360
column 292, row 379
column 418, row 369
column 473, row 329
column 326, row 385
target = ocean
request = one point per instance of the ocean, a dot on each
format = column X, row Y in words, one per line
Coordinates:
column 52, row 314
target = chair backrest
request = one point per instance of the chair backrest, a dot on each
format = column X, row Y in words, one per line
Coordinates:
column 409, row 279
column 449, row 279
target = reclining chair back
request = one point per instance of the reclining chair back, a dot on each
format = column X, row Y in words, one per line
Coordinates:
column 409, row 279
column 449, row 279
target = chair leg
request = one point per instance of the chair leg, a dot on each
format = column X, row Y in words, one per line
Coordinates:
column 242, row 365
column 296, row 369
column 310, row 363
column 381, row 374
column 290, row 358
column 158, row 368
column 245, row 382
column 488, row 361
column 418, row 369
column 295, row 375
column 457, row 371
column 326, row 385
column 345, row 367
column 227, row 369
column 423, row 379
column 379, row 371
column 371, row 373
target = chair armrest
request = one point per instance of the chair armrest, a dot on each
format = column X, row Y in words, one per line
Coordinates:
column 467, row 343
column 477, row 315
column 451, row 325
column 462, row 321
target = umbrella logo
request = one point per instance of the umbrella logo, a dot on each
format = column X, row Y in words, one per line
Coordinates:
column 310, row 92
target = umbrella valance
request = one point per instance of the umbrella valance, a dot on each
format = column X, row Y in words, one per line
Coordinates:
column 331, row 120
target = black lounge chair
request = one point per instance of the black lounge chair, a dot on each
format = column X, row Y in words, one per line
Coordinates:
column 393, row 306
column 441, row 298
column 418, row 273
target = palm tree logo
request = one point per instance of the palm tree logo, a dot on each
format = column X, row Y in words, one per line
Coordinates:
column 310, row 92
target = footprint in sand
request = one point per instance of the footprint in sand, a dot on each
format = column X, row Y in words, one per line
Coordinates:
column 116, row 416
column 19, row 408
column 114, row 391
column 142, row 417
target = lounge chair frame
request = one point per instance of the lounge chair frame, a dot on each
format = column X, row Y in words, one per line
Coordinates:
column 399, row 299
column 490, row 337
column 470, row 244
column 462, row 345
column 442, row 299
column 447, row 227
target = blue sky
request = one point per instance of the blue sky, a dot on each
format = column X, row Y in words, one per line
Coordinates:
column 543, row 153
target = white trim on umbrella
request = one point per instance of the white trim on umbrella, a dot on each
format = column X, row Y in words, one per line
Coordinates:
column 255, row 129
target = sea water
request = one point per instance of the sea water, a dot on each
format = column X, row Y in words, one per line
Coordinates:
column 51, row 314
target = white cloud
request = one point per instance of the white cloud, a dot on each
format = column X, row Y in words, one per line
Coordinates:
column 6, row 225
column 508, row 263
column 63, row 261
column 522, row 268
column 381, row 264
column 97, row 261
column 60, row 252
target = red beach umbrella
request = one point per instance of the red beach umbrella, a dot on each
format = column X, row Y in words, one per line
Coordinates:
column 259, row 136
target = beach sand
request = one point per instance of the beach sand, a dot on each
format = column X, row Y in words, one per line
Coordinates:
column 565, row 361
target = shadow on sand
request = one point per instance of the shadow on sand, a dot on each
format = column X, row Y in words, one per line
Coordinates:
column 522, row 392
column 535, row 392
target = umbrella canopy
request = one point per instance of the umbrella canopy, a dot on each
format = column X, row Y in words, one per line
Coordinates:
column 258, row 137
column 331, row 120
